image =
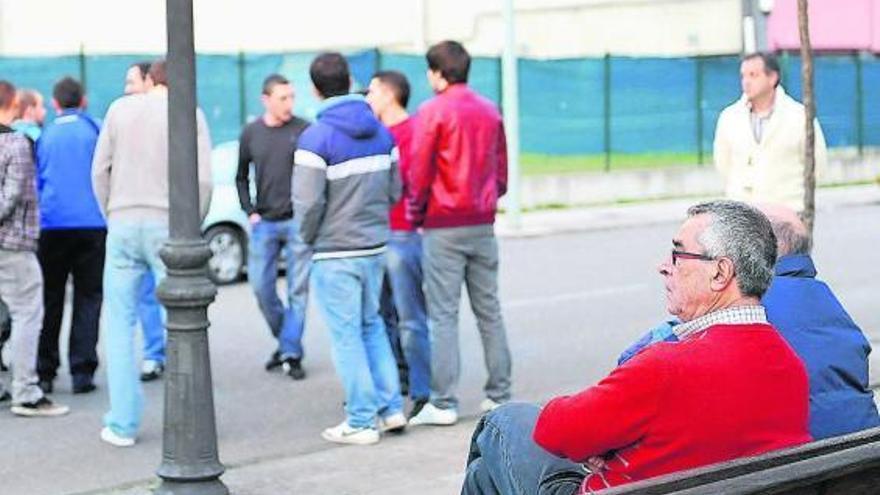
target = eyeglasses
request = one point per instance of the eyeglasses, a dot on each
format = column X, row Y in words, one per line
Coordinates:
column 676, row 254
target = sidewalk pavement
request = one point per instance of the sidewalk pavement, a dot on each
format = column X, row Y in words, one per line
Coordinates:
column 428, row 460
column 578, row 219
column 431, row 460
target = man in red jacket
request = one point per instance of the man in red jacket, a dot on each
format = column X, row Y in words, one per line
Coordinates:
column 730, row 387
column 458, row 170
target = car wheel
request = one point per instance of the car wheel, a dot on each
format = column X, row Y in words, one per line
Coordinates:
column 228, row 254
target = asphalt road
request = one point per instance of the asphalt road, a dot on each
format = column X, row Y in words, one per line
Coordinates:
column 571, row 303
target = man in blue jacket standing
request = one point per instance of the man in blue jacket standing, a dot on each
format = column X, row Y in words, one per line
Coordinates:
column 345, row 180
column 72, row 237
column 815, row 325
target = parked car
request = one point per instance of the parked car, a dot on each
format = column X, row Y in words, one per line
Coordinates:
column 226, row 227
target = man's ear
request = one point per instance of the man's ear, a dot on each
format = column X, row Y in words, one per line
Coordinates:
column 84, row 103
column 724, row 275
column 56, row 106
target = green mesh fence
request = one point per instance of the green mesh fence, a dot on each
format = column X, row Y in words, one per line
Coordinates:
column 584, row 106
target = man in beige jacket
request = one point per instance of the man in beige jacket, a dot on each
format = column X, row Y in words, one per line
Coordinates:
column 130, row 180
column 759, row 139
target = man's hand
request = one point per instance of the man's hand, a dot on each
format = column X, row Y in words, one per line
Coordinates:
column 254, row 218
column 595, row 464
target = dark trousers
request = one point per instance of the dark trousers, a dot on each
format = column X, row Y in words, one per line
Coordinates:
column 80, row 253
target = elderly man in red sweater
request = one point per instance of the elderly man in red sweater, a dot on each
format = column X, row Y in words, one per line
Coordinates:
column 731, row 387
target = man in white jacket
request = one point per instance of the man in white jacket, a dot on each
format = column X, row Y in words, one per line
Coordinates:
column 760, row 139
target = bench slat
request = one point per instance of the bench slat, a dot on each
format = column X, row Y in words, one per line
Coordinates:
column 683, row 480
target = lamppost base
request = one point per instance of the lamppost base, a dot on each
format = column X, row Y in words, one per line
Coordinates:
column 206, row 487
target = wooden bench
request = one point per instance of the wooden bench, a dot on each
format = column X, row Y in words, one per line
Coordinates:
column 846, row 465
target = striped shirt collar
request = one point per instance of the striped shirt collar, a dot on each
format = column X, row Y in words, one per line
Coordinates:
column 739, row 315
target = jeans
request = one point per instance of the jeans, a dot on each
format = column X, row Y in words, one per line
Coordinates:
column 152, row 317
column 132, row 253
column 78, row 253
column 503, row 458
column 453, row 256
column 388, row 312
column 405, row 276
column 347, row 292
column 21, row 288
column 267, row 239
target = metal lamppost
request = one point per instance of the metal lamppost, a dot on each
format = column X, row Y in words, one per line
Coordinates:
column 190, row 464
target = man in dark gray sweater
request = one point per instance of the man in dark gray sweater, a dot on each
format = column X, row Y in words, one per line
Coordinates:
column 268, row 143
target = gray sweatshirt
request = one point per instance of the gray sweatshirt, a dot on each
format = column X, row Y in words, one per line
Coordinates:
column 130, row 168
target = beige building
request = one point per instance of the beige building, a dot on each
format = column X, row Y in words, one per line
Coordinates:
column 545, row 28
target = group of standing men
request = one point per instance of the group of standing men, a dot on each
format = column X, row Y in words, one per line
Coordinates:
column 363, row 166
column 327, row 193
column 90, row 199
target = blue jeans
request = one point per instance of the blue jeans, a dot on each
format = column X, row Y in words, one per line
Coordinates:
column 347, row 291
column 132, row 253
column 152, row 320
column 267, row 239
column 503, row 458
column 405, row 275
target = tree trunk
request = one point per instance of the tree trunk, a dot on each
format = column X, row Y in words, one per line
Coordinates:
column 809, row 214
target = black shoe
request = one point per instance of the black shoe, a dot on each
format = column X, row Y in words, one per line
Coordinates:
column 40, row 407
column 84, row 388
column 274, row 361
column 293, row 368
column 5, row 396
column 417, row 406
column 46, row 386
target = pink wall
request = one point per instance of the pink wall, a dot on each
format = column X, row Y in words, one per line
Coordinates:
column 834, row 25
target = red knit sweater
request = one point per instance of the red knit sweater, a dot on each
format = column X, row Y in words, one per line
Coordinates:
column 402, row 133
column 728, row 392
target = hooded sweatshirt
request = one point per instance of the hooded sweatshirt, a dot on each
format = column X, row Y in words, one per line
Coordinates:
column 345, row 179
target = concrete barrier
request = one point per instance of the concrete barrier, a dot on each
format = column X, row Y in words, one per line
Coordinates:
column 590, row 188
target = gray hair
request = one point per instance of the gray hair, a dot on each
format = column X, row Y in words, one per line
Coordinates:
column 744, row 235
column 791, row 238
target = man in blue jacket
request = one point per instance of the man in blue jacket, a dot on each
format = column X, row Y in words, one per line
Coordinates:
column 345, row 180
column 72, row 237
column 814, row 323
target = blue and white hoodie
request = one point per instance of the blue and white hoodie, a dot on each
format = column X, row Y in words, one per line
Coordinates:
column 345, row 179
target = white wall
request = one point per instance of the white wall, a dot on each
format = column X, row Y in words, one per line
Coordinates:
column 546, row 28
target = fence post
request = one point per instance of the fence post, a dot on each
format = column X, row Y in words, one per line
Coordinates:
column 699, row 108
column 510, row 109
column 860, row 105
column 606, row 92
column 242, row 88
column 785, row 62
column 82, row 65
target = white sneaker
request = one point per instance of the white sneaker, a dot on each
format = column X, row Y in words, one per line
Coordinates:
column 115, row 440
column 433, row 415
column 393, row 423
column 489, row 405
column 345, row 433
column 151, row 370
